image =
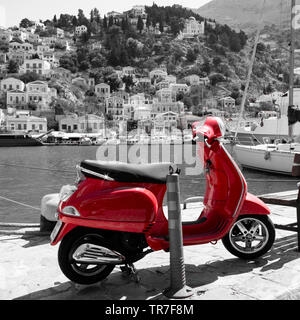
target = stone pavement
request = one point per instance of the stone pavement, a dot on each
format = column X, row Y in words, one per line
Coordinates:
column 29, row 270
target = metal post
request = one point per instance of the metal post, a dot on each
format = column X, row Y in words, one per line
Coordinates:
column 178, row 288
column 298, row 216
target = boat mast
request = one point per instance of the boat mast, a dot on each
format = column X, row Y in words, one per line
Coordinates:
column 292, row 61
column 250, row 68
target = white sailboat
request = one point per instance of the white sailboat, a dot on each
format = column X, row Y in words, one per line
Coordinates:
column 281, row 158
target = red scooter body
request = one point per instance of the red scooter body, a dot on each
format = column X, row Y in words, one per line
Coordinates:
column 125, row 198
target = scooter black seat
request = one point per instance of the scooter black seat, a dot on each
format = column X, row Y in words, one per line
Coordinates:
column 124, row 172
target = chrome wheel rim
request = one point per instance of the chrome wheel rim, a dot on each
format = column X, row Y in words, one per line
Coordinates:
column 248, row 235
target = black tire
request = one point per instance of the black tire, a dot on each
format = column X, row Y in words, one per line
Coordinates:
column 239, row 242
column 82, row 273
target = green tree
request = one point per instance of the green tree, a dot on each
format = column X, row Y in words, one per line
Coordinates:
column 25, row 23
column 140, row 24
column 74, row 21
column 69, row 61
column 176, row 25
column 13, row 66
column 235, row 43
column 29, row 77
column 81, row 18
column 110, row 21
column 216, row 61
column 191, row 55
column 105, row 24
column 128, row 80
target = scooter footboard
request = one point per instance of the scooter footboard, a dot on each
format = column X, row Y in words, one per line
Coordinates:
column 253, row 205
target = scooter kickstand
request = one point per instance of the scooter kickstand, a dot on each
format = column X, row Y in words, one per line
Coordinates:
column 130, row 270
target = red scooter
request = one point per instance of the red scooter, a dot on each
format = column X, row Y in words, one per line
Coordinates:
column 114, row 215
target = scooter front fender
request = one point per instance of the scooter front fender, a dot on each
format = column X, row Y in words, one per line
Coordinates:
column 65, row 229
column 253, row 205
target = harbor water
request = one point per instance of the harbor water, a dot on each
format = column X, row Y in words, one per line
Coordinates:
column 29, row 173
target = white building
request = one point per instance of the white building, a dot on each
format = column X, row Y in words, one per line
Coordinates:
column 138, row 10
column 128, row 71
column 19, row 34
column 5, row 35
column 49, row 41
column 21, row 123
column 102, row 91
column 40, row 94
column 89, row 123
column 60, row 33
column 24, row 46
column 169, row 119
column 61, row 73
column 228, row 104
column 193, row 80
column 40, row 49
column 16, row 99
column 192, row 28
column 158, row 73
column 142, row 113
column 179, row 87
column 165, row 102
column 114, row 107
column 38, row 66
column 50, row 57
column 33, row 38
column 20, row 56
column 80, row 30
column 11, row 84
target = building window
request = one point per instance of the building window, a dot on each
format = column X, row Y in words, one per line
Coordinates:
column 33, row 127
column 25, row 126
column 64, row 127
column 12, row 126
column 75, row 127
column 19, row 126
column 40, row 127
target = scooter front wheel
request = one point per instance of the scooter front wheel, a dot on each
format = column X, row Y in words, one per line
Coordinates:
column 250, row 237
column 82, row 273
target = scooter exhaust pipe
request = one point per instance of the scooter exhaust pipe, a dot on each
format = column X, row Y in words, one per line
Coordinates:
column 94, row 254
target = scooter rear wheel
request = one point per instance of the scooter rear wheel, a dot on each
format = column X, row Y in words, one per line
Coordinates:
column 82, row 273
column 250, row 237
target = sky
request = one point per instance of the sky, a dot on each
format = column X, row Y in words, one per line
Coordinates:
column 13, row 11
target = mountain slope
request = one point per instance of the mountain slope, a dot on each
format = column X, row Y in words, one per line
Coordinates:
column 245, row 14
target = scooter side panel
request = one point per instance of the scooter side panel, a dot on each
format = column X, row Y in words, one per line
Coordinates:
column 119, row 205
column 253, row 205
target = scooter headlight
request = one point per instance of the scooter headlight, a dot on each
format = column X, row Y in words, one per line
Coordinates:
column 71, row 211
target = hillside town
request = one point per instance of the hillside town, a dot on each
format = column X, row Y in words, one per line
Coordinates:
column 38, row 83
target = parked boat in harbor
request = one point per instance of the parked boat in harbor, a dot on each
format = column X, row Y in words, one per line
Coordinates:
column 282, row 158
column 275, row 158
column 19, row 140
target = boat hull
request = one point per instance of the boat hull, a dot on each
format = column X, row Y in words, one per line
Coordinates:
column 267, row 160
column 19, row 141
